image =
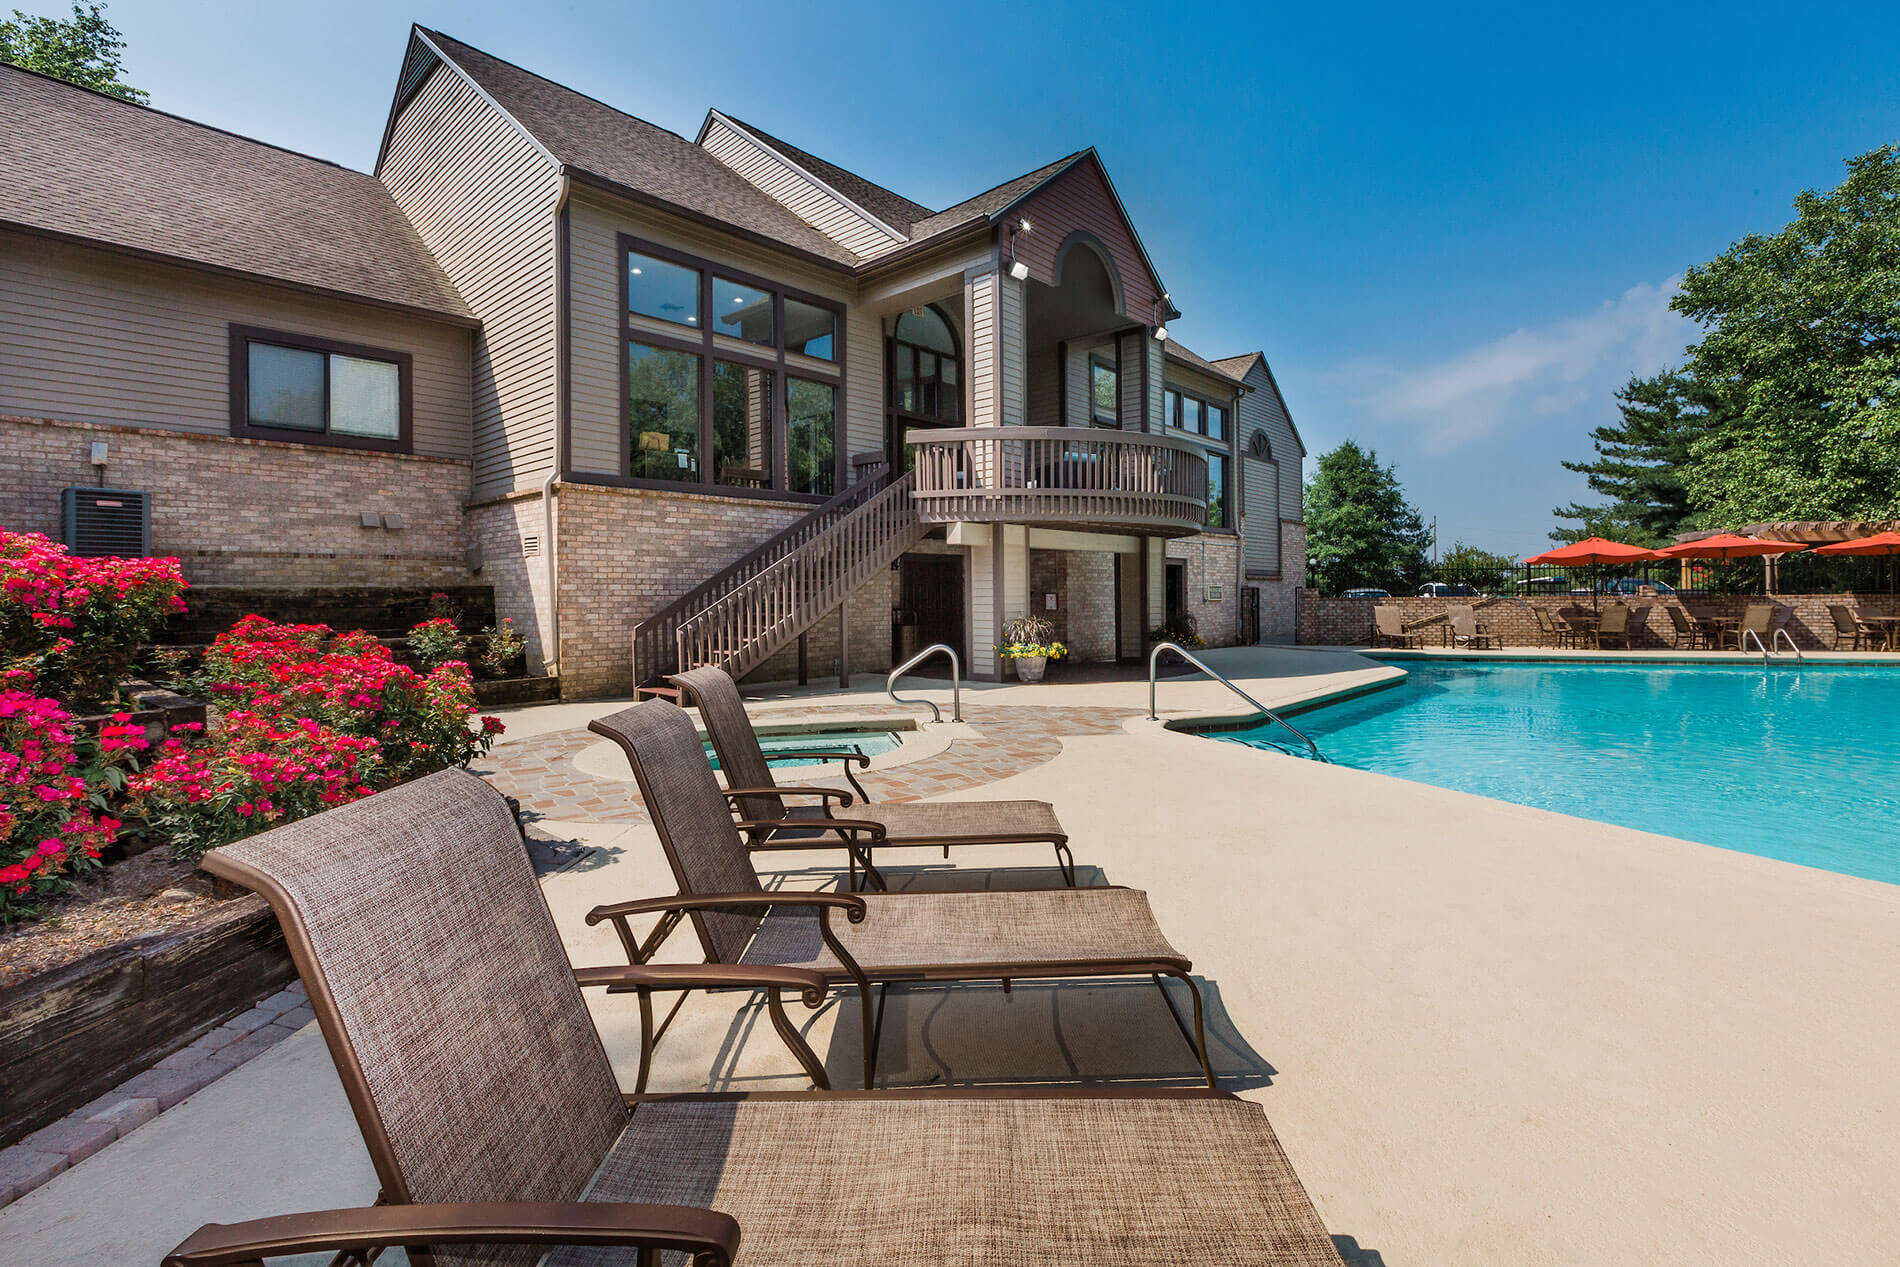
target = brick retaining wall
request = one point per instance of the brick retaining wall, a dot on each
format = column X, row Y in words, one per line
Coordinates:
column 1348, row 621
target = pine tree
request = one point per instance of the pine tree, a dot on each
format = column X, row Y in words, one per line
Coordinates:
column 1642, row 461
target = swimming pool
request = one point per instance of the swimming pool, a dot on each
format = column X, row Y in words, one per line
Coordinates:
column 1793, row 763
column 868, row 742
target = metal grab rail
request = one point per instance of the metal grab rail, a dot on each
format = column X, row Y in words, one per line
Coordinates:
column 1741, row 644
column 1781, row 636
column 1154, row 658
column 956, row 681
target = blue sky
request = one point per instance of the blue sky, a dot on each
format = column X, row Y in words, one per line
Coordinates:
column 1452, row 230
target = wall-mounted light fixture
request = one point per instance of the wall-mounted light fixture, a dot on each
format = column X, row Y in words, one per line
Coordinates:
column 1017, row 269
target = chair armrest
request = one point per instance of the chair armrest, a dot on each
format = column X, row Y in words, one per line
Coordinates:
column 850, row 903
column 823, row 754
column 706, row 976
column 838, row 794
column 710, row 1237
column 876, row 831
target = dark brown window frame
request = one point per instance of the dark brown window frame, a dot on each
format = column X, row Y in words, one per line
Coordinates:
column 1175, row 410
column 705, row 343
column 242, row 336
column 1222, row 447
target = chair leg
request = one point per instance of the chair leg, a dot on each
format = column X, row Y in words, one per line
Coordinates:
column 1066, row 861
column 791, row 1037
column 1197, row 1040
column 873, row 1028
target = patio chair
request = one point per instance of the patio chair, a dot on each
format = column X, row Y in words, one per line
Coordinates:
column 1685, row 627
column 496, row 1129
column 1388, row 629
column 1548, row 632
column 1758, row 619
column 993, row 935
column 1849, row 625
column 1465, row 631
column 759, row 799
column 1613, row 626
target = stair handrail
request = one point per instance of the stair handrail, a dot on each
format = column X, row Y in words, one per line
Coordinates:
column 1781, row 635
column 808, row 569
column 652, row 632
column 1154, row 658
column 1741, row 644
column 956, row 681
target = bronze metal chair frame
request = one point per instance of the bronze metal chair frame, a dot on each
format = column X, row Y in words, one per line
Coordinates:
column 1391, row 638
column 804, row 833
column 359, row 1235
column 851, row 973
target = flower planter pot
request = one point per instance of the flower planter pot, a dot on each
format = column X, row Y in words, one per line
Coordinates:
column 1029, row 668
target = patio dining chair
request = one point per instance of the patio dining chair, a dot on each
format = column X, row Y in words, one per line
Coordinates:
column 1686, row 628
column 1613, row 626
column 1758, row 619
column 992, row 935
column 499, row 1136
column 757, row 797
column 1849, row 626
column 1388, row 629
column 1548, row 632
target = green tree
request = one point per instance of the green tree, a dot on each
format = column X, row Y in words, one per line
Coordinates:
column 1802, row 332
column 1477, row 567
column 1360, row 531
column 1642, row 462
column 84, row 51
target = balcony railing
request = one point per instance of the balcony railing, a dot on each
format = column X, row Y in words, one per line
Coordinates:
column 1067, row 477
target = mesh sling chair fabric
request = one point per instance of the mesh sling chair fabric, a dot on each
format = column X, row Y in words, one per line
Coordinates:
column 929, row 936
column 905, row 823
column 452, row 1013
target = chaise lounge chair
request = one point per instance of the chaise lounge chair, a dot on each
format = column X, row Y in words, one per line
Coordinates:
column 902, row 937
column 760, row 801
column 496, row 1129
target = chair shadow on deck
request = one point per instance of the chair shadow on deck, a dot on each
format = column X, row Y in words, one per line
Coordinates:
column 1086, row 1031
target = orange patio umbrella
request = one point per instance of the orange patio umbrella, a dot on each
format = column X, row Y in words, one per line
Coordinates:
column 1727, row 545
column 1887, row 543
column 1596, row 550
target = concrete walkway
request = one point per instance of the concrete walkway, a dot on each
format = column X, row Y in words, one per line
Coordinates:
column 1484, row 1033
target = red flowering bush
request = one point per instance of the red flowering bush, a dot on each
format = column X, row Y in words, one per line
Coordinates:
column 350, row 684
column 74, row 624
column 436, row 642
column 253, row 773
column 53, row 789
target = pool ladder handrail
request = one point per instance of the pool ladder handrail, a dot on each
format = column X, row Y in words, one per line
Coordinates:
column 1154, row 658
column 956, row 681
column 1779, row 636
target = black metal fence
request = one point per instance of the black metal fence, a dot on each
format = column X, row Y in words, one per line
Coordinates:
column 1804, row 573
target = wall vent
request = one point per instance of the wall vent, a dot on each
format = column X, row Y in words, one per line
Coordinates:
column 99, row 522
column 530, row 544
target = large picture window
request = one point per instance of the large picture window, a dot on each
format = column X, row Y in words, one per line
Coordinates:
column 1105, row 392
column 925, row 385
column 1217, row 516
column 708, row 399
column 318, row 391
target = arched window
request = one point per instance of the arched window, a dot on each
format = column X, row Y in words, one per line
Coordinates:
column 926, row 375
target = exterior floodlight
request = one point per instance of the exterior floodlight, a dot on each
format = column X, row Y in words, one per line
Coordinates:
column 1161, row 334
column 1019, row 270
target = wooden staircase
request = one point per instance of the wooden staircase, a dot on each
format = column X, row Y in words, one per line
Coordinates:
column 738, row 618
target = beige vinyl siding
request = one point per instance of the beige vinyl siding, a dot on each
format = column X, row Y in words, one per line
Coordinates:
column 482, row 198
column 798, row 191
column 1261, row 506
column 89, row 336
column 594, row 351
column 1013, row 337
column 983, row 560
column 1128, row 360
column 979, row 298
column 1156, row 379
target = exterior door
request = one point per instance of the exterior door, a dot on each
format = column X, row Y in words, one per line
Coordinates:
column 929, row 605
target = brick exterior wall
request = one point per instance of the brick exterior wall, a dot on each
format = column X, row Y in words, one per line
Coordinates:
column 627, row 552
column 1279, row 598
column 504, row 531
column 252, row 512
column 1083, row 582
column 1213, row 559
column 1348, row 621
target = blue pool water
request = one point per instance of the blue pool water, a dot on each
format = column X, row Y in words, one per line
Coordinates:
column 868, row 742
column 1801, row 764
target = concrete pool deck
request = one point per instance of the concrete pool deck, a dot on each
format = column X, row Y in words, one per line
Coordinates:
column 1484, row 1033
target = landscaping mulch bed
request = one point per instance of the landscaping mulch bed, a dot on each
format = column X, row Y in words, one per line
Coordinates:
column 149, row 893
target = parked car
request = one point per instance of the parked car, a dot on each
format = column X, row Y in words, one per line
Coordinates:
column 1546, row 585
column 1368, row 593
column 1446, row 589
column 1637, row 585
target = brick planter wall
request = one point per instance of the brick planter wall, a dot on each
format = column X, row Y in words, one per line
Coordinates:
column 1348, row 621
column 252, row 512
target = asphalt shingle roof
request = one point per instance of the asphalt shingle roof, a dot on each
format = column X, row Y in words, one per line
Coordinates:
column 1222, row 368
column 989, row 202
column 615, row 146
column 887, row 205
column 82, row 164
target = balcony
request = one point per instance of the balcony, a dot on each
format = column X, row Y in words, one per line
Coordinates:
column 1087, row 479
